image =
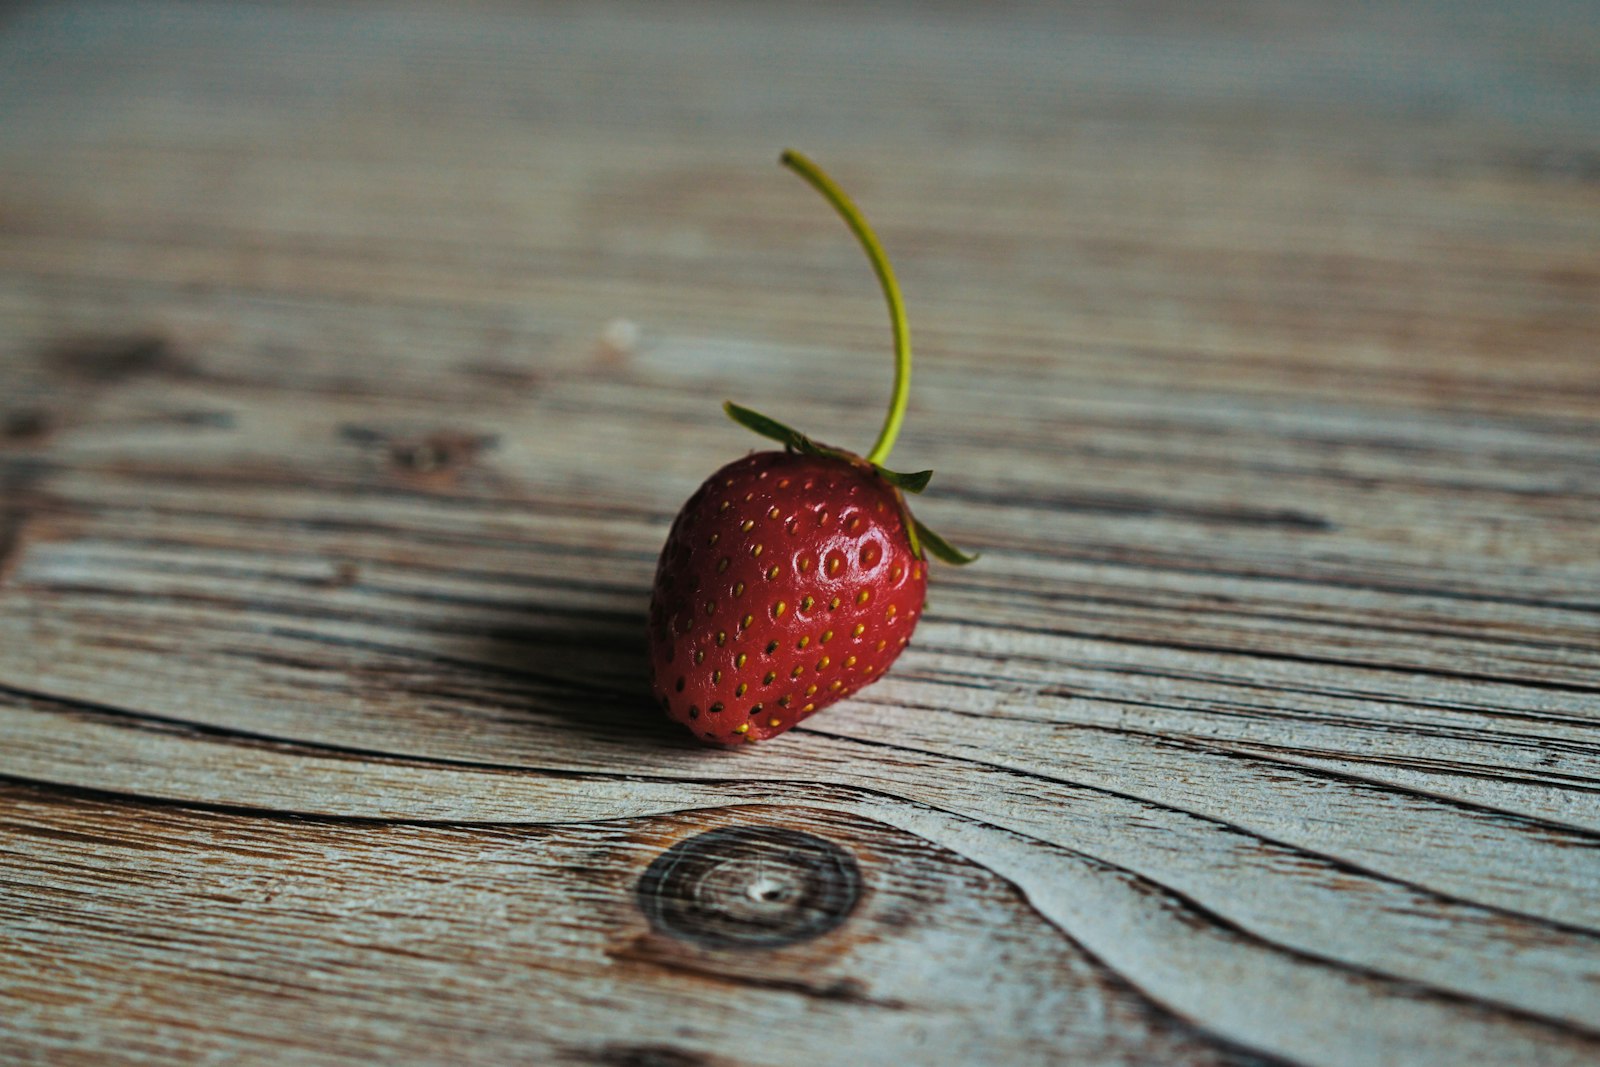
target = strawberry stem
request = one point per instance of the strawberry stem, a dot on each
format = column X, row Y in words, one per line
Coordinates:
column 818, row 180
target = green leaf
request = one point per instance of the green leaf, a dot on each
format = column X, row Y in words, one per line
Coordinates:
column 914, row 482
column 911, row 525
column 940, row 547
column 790, row 438
column 911, row 483
column 766, row 427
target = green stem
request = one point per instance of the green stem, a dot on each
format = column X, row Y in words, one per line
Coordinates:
column 823, row 184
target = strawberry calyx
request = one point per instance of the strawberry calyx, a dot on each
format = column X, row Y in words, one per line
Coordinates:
column 923, row 540
column 795, row 441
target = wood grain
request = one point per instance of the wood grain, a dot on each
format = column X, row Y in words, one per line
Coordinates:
column 492, row 938
column 1256, row 351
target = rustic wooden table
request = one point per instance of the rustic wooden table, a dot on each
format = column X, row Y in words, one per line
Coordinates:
column 353, row 361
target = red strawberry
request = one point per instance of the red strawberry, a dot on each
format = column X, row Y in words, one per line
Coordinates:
column 792, row 579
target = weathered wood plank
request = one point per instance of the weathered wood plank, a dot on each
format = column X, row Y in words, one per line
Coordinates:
column 324, row 941
column 1138, row 926
column 1256, row 349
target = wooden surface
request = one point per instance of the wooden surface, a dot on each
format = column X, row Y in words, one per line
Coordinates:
column 1257, row 351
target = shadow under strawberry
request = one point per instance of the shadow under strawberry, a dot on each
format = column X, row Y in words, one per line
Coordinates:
column 590, row 675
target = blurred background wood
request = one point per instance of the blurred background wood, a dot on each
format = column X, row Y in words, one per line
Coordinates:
column 354, row 359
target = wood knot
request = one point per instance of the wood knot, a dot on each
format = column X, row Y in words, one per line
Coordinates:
column 750, row 887
column 436, row 452
column 26, row 425
column 427, row 459
column 114, row 357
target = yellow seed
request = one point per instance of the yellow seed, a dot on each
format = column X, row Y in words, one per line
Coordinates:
column 805, row 564
column 749, row 497
column 833, row 605
column 811, row 690
column 772, row 646
column 808, row 709
column 881, row 645
column 849, row 661
column 713, row 539
column 822, row 664
column 797, row 672
column 740, row 691
column 783, row 701
column 891, row 612
column 863, row 596
column 699, row 655
column 778, row 609
column 834, row 563
column 805, row 603
column 827, row 635
column 855, row 524
column 742, row 728
column 744, row 623
column 755, row 550
column 747, row 525
column 860, row 629
column 724, row 506
column 803, row 642
column 716, row 677
column 868, row 669
column 738, row 589
column 783, row 483
column 738, row 661
column 722, row 638
column 895, row 572
column 903, row 641
column 774, row 721
column 773, row 512
column 772, row 571
column 836, row 685
column 822, row 518
column 766, row 679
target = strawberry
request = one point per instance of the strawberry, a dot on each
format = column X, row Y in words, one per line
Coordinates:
column 791, row 579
